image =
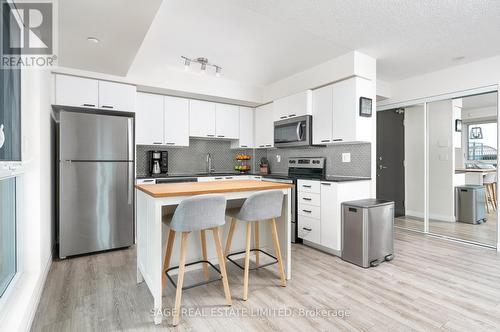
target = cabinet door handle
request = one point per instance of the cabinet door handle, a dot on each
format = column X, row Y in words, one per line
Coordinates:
column 170, row 143
column 337, row 139
column 307, row 211
column 209, row 135
column 269, row 145
column 262, row 146
column 221, row 136
column 218, row 178
column 306, row 186
column 107, row 106
column 306, row 199
column 229, row 177
column 292, row 115
column 244, row 146
column 89, row 105
column 157, row 143
column 307, row 229
column 148, row 181
column 325, row 140
column 326, row 183
column 283, row 117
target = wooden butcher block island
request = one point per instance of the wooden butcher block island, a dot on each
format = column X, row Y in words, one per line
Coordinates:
column 154, row 200
column 216, row 187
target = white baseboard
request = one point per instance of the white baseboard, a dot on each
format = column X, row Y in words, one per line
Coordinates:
column 37, row 294
column 440, row 217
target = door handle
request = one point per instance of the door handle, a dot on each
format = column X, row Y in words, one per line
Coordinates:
column 382, row 167
column 130, row 182
column 307, row 229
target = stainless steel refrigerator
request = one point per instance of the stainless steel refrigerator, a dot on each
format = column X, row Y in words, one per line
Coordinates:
column 96, row 176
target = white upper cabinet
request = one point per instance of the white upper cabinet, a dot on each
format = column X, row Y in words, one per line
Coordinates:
column 117, row 96
column 176, row 129
column 227, row 121
column 292, row 106
column 336, row 112
column 77, row 91
column 161, row 120
column 246, row 128
column 264, row 126
column 322, row 115
column 149, row 119
column 87, row 92
column 201, row 118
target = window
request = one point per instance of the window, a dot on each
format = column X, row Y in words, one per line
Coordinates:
column 482, row 141
column 7, row 232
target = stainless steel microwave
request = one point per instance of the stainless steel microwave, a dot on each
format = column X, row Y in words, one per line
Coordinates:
column 293, row 132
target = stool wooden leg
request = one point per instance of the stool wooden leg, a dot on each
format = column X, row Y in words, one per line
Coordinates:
column 486, row 200
column 168, row 255
column 222, row 265
column 493, row 195
column 229, row 237
column 494, row 185
column 180, row 278
column 256, row 243
column 204, row 252
column 247, row 261
column 277, row 250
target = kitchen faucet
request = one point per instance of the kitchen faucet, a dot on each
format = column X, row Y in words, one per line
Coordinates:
column 209, row 164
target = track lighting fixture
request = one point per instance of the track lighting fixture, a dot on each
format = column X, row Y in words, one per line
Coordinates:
column 204, row 63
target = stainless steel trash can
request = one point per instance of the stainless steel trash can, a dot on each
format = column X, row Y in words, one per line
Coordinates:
column 470, row 204
column 367, row 232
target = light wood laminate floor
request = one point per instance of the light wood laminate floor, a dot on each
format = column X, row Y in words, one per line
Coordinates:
column 485, row 233
column 430, row 285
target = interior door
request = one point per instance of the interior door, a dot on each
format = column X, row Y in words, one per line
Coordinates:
column 390, row 158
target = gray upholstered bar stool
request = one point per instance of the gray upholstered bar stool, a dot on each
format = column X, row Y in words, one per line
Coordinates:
column 197, row 213
column 258, row 207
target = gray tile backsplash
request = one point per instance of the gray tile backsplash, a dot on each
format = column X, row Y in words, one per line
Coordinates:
column 360, row 164
column 192, row 159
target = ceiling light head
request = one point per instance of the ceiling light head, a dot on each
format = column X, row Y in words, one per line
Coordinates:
column 203, row 65
column 93, row 40
column 187, row 62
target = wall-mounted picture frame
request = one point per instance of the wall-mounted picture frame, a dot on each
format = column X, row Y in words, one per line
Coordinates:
column 458, row 125
column 365, row 106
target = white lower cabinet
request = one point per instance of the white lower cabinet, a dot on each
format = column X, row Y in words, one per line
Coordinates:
column 319, row 210
column 226, row 178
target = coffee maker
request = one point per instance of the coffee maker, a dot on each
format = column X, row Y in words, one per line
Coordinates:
column 158, row 163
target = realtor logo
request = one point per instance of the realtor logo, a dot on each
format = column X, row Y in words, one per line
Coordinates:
column 28, row 34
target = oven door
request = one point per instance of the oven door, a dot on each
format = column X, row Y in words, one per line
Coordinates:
column 293, row 132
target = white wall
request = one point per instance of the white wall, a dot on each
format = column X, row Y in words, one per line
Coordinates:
column 415, row 160
column 472, row 114
column 36, row 215
column 347, row 65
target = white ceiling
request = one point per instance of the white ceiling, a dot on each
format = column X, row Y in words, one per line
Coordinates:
column 261, row 41
column 120, row 25
column 480, row 101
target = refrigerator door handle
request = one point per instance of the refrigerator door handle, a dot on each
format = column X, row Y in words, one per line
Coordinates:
column 130, row 182
column 130, row 139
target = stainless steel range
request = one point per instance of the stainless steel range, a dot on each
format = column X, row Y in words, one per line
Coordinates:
column 299, row 168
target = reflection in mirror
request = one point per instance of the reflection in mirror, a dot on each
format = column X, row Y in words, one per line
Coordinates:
column 401, row 162
column 462, row 168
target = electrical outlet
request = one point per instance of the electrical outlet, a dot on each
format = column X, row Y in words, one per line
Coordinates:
column 346, row 157
column 278, row 158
